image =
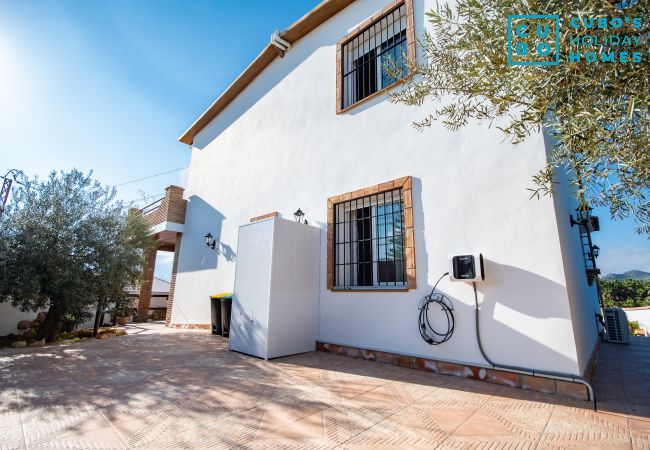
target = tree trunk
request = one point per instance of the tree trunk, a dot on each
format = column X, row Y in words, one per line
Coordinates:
column 49, row 328
column 98, row 318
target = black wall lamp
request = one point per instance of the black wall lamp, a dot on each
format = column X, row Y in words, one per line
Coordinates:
column 583, row 216
column 210, row 241
column 299, row 216
column 595, row 250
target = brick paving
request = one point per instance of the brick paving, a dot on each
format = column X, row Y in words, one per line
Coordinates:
column 159, row 388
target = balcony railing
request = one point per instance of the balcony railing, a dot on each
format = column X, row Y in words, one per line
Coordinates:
column 152, row 206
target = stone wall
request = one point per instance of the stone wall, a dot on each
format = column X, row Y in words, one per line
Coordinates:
column 28, row 328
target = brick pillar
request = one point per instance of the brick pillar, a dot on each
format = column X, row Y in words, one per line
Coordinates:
column 146, row 285
column 175, row 205
column 172, row 285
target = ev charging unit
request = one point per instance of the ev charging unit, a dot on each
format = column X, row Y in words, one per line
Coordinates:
column 275, row 300
column 468, row 267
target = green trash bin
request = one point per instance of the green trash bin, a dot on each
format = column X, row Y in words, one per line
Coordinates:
column 217, row 311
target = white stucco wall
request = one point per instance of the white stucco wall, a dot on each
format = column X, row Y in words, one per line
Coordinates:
column 583, row 298
column 280, row 146
column 158, row 302
column 10, row 316
column 641, row 315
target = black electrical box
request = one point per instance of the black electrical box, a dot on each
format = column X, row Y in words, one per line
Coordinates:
column 464, row 267
column 467, row 267
column 595, row 223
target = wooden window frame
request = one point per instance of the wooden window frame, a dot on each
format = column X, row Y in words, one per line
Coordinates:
column 406, row 185
column 410, row 46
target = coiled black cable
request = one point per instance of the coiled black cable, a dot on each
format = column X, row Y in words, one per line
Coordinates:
column 428, row 333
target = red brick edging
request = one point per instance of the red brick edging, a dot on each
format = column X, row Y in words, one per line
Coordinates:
column 593, row 359
column 529, row 382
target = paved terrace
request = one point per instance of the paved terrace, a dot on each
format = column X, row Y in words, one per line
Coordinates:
column 159, row 388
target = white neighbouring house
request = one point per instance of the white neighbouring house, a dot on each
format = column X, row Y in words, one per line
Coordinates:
column 159, row 297
column 10, row 315
column 308, row 125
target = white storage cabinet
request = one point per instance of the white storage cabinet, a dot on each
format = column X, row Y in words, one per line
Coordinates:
column 275, row 301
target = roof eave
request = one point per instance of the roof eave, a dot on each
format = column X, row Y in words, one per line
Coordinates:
column 305, row 25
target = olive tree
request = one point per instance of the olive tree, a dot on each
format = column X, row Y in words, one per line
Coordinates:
column 67, row 245
column 596, row 112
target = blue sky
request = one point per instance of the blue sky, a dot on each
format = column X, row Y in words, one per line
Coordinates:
column 109, row 86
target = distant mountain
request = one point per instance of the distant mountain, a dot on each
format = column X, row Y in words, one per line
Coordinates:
column 629, row 275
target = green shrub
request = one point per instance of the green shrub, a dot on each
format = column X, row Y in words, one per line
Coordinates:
column 626, row 293
column 65, row 336
column 67, row 324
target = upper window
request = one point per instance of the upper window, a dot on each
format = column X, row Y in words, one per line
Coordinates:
column 370, row 238
column 588, row 254
column 374, row 57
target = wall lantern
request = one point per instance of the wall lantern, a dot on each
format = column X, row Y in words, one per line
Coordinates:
column 583, row 216
column 298, row 215
column 210, row 241
column 595, row 250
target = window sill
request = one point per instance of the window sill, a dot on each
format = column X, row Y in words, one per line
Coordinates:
column 368, row 289
column 374, row 95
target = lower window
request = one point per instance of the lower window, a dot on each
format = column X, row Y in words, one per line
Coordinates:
column 369, row 242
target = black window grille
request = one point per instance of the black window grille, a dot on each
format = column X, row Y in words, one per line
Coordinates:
column 367, row 56
column 585, row 244
column 369, row 242
column 588, row 255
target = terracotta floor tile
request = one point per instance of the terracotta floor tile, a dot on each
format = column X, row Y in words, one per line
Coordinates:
column 640, row 433
column 278, row 424
column 127, row 428
column 611, row 419
column 447, row 419
column 480, row 424
column 165, row 388
column 91, row 424
column 105, row 434
column 350, row 389
column 640, row 424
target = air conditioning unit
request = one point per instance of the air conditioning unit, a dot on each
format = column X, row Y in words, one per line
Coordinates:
column 616, row 326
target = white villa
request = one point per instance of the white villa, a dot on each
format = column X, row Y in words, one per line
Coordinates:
column 308, row 126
